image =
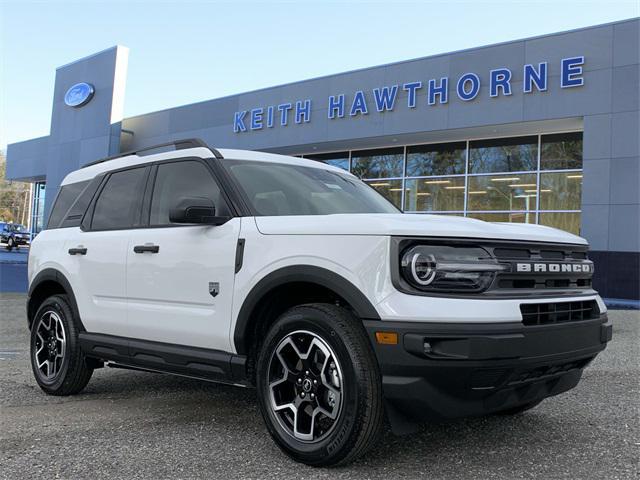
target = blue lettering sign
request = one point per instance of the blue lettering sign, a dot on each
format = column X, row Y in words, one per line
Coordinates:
column 238, row 122
column 463, row 92
column 499, row 78
column 359, row 104
column 440, row 90
column 256, row 118
column 385, row 98
column 336, row 106
column 411, row 92
column 467, row 86
column 303, row 111
column 571, row 72
column 284, row 108
column 270, row 112
column 537, row 77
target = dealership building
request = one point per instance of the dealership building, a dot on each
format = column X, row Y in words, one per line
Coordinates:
column 541, row 130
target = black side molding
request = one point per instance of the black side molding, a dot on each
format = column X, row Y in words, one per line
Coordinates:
column 203, row 363
column 239, row 254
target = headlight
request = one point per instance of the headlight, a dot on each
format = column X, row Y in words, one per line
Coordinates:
column 441, row 268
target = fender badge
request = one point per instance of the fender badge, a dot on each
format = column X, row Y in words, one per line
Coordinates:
column 214, row 288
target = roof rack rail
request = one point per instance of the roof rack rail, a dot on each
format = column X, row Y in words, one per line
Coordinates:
column 177, row 144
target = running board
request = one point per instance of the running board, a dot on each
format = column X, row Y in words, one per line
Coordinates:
column 194, row 362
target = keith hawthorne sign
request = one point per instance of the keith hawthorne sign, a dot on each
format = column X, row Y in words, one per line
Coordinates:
column 383, row 99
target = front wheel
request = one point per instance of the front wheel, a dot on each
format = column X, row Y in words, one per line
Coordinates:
column 319, row 385
column 10, row 244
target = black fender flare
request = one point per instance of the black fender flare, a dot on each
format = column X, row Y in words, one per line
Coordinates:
column 53, row 275
column 300, row 273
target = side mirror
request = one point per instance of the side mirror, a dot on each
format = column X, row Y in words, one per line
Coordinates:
column 196, row 210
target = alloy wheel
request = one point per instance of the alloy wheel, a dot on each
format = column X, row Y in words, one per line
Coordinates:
column 305, row 386
column 50, row 345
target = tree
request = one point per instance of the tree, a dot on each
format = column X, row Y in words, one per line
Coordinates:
column 14, row 197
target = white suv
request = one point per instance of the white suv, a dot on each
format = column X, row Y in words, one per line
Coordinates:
column 297, row 278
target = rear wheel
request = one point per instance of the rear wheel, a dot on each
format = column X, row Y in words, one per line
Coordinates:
column 57, row 362
column 319, row 385
column 10, row 244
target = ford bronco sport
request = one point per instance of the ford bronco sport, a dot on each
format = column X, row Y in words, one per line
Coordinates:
column 296, row 278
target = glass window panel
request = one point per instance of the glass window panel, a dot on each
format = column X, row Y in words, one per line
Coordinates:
column 502, row 192
column 390, row 189
column 569, row 222
column 116, row 207
column 381, row 163
column 434, row 194
column 510, row 217
column 560, row 191
column 337, row 159
column 175, row 181
column 503, row 155
column 561, row 151
column 436, row 159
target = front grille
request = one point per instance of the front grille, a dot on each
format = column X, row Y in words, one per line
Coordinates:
column 550, row 313
column 550, row 268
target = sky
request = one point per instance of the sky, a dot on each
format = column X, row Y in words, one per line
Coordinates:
column 183, row 52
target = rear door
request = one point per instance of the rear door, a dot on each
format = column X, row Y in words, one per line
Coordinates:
column 98, row 251
column 180, row 277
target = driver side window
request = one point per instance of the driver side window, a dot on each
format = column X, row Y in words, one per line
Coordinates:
column 177, row 180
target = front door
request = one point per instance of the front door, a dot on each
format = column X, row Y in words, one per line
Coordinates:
column 180, row 277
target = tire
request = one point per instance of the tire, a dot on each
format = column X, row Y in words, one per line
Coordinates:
column 10, row 244
column 519, row 409
column 54, row 339
column 340, row 376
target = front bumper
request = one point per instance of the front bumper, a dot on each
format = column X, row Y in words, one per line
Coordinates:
column 441, row 371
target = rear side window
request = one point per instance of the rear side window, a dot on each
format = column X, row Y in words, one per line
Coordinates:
column 175, row 181
column 66, row 197
column 118, row 205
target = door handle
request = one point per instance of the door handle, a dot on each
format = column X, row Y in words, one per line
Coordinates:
column 78, row 251
column 146, row 248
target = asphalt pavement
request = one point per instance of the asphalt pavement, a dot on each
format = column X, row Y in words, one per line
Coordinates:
column 139, row 425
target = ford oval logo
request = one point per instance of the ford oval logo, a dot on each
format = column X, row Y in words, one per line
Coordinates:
column 79, row 94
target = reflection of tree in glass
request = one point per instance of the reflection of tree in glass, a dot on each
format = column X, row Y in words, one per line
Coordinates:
column 377, row 166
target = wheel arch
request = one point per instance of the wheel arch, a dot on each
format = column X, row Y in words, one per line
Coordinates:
column 297, row 281
column 46, row 283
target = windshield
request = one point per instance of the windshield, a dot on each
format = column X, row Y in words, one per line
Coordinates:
column 18, row 228
column 281, row 189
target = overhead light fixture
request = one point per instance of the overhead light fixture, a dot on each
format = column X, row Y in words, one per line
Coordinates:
column 574, row 176
column 380, row 184
column 478, row 192
column 436, row 182
column 423, row 194
column 395, row 189
column 459, row 187
column 523, row 185
column 506, row 179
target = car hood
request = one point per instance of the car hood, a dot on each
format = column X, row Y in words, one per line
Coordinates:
column 407, row 224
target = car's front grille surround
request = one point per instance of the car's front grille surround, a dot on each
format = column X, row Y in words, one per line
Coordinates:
column 558, row 312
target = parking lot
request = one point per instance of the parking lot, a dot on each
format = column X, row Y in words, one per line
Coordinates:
column 139, row 425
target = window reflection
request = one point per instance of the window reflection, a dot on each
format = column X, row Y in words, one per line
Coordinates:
column 390, row 189
column 567, row 221
column 561, row 151
column 503, row 155
column 509, row 217
column 436, row 159
column 434, row 194
column 502, row 192
column 379, row 163
column 337, row 159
